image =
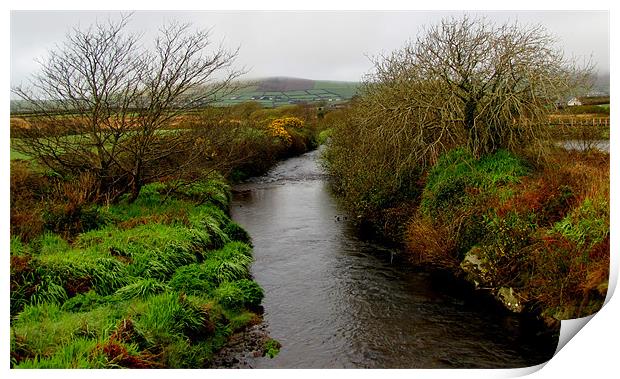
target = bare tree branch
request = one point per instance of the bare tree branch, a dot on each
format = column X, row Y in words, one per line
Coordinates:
column 105, row 104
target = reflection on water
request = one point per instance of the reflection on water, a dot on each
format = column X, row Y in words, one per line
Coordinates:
column 334, row 300
column 581, row 145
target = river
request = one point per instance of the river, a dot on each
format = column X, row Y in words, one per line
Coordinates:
column 335, row 300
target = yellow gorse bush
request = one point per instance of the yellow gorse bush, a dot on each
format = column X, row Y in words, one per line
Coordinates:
column 288, row 122
column 277, row 127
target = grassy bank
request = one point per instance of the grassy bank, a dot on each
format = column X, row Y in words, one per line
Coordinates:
column 533, row 233
column 161, row 282
column 536, row 236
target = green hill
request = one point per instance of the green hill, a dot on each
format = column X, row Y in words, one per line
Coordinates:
column 276, row 91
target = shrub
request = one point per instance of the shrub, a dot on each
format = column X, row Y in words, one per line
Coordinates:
column 275, row 129
column 370, row 175
column 430, row 244
column 568, row 280
column 28, row 190
column 287, row 122
column 69, row 219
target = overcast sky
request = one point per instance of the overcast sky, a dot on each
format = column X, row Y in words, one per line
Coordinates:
column 332, row 45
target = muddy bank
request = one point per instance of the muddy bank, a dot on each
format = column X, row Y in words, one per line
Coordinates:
column 243, row 348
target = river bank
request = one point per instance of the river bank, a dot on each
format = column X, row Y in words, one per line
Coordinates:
column 535, row 235
column 164, row 282
column 158, row 281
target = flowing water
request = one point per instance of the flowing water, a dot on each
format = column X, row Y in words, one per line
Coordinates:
column 335, row 300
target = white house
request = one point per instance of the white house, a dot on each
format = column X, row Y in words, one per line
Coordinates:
column 573, row 101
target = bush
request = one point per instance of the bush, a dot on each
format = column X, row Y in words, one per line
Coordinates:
column 543, row 233
column 70, row 220
column 28, row 191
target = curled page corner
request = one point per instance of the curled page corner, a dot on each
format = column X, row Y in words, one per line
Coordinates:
column 568, row 329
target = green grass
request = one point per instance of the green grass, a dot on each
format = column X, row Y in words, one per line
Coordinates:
column 167, row 274
column 345, row 89
column 17, row 155
column 324, row 135
column 457, row 170
column 587, row 224
column 272, row 348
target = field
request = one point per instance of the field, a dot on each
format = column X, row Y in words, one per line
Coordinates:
column 274, row 92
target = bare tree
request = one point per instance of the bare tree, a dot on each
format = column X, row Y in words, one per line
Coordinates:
column 462, row 83
column 106, row 104
column 469, row 82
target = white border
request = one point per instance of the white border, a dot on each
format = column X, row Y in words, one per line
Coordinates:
column 591, row 354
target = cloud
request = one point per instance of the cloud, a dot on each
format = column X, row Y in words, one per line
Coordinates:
column 332, row 45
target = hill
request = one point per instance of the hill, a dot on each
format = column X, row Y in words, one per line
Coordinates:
column 276, row 91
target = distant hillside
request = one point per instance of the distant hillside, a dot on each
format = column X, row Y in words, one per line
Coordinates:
column 276, row 91
column 285, row 84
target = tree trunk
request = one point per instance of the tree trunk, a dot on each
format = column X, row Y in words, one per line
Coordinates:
column 136, row 186
column 469, row 119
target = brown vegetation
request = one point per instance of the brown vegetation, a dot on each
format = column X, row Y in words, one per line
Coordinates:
column 546, row 236
column 103, row 104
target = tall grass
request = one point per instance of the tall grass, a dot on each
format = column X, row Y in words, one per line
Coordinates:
column 135, row 294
